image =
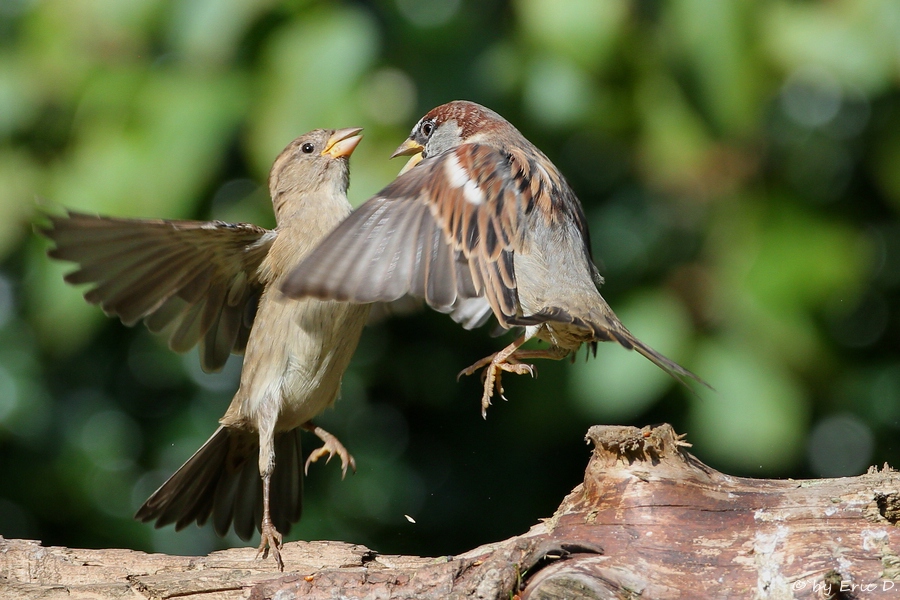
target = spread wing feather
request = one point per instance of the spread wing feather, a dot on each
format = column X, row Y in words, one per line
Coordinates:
column 199, row 280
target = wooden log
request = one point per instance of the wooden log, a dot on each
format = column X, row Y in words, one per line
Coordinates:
column 672, row 527
column 649, row 521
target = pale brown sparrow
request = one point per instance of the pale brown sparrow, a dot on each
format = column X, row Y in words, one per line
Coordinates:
column 218, row 285
column 483, row 215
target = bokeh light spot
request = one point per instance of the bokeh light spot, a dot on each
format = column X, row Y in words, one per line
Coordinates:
column 389, row 96
column 556, row 92
column 226, row 379
column 428, row 13
column 840, row 446
column 111, row 439
column 811, row 97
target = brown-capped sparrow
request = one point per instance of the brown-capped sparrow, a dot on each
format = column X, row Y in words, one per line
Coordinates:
column 218, row 285
column 478, row 213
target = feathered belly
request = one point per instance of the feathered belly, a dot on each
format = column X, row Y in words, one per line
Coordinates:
column 568, row 336
column 295, row 369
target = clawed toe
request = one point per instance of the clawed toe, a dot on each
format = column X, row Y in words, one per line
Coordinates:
column 270, row 539
column 494, row 366
column 331, row 446
column 328, row 451
column 471, row 369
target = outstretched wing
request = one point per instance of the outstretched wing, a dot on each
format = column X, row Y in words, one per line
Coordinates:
column 198, row 280
column 446, row 230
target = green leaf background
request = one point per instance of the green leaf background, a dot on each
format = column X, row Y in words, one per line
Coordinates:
column 739, row 163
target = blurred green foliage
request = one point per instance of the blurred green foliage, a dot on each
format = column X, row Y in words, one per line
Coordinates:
column 739, row 163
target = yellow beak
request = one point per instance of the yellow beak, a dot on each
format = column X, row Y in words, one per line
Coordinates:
column 343, row 142
column 408, row 147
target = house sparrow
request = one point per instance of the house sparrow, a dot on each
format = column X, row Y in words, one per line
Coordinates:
column 217, row 284
column 478, row 212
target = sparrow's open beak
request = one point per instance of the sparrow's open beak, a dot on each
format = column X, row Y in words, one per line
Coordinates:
column 343, row 142
column 408, row 147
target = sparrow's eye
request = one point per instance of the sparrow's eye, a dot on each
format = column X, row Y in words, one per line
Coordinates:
column 307, row 148
column 427, row 128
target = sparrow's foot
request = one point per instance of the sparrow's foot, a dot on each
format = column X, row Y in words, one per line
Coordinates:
column 494, row 366
column 330, row 447
column 270, row 539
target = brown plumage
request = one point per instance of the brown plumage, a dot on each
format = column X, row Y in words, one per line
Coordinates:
column 478, row 213
column 217, row 285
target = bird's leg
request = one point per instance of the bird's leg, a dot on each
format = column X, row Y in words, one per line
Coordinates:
column 331, row 447
column 508, row 359
column 269, row 538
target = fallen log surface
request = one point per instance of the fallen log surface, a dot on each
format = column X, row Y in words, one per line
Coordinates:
column 649, row 521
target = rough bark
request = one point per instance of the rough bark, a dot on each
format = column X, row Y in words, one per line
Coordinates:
column 649, row 521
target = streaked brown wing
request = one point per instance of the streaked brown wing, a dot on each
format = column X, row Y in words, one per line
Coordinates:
column 198, row 280
column 446, row 230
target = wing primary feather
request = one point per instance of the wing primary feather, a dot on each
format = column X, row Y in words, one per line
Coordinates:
column 117, row 284
column 187, row 332
column 94, row 268
column 167, row 312
column 211, row 361
column 465, row 283
column 214, row 300
column 387, row 273
column 370, row 248
column 424, row 237
column 401, row 276
column 220, row 339
column 194, row 289
column 145, row 295
column 441, row 285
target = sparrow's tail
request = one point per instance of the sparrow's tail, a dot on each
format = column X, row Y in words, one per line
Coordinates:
column 222, row 480
column 606, row 327
column 627, row 340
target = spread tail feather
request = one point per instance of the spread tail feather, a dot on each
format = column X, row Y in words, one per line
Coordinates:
column 222, row 480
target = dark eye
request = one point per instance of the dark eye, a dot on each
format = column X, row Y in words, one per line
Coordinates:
column 427, row 128
column 307, row 148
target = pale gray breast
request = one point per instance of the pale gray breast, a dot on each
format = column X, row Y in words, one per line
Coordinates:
column 554, row 271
